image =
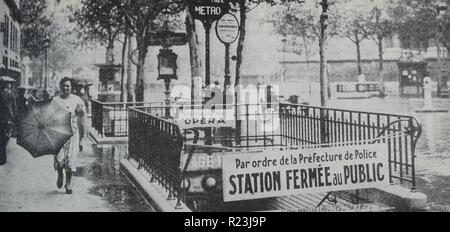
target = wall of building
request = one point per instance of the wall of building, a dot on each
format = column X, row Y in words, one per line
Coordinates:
column 10, row 41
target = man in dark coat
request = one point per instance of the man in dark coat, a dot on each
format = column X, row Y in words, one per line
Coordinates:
column 7, row 117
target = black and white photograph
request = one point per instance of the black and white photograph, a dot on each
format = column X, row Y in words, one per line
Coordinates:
column 235, row 106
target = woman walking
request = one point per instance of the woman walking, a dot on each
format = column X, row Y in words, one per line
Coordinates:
column 66, row 158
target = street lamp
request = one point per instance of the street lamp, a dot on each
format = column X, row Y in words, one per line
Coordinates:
column 46, row 45
column 167, row 71
column 323, row 51
column 441, row 9
column 323, row 68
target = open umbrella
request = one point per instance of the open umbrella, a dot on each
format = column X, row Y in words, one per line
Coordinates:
column 7, row 79
column 44, row 129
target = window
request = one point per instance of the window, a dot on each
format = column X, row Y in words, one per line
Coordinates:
column 5, row 61
column 14, row 39
column 6, row 33
column 13, row 43
column 11, row 31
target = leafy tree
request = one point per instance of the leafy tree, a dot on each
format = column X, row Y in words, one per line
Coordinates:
column 99, row 22
column 415, row 22
column 36, row 27
column 354, row 23
column 39, row 26
column 243, row 7
column 381, row 26
column 140, row 16
column 302, row 21
column 444, row 23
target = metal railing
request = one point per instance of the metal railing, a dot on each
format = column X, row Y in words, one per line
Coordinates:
column 304, row 125
column 156, row 145
column 110, row 119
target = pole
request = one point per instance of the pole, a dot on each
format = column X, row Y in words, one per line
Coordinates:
column 45, row 70
column 167, row 100
column 439, row 58
column 323, row 57
column 284, row 61
column 207, row 26
column 323, row 71
column 227, row 66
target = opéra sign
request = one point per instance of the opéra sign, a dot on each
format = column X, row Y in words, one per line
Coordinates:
column 187, row 118
column 290, row 172
column 208, row 10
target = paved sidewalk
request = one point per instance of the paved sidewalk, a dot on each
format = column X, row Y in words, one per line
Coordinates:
column 29, row 184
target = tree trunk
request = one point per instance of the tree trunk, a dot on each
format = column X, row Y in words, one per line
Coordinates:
column 142, row 54
column 358, row 54
column 122, row 73
column 110, row 53
column 323, row 73
column 323, row 67
column 241, row 41
column 196, row 71
column 130, row 82
column 380, row 59
column 305, row 45
column 239, row 50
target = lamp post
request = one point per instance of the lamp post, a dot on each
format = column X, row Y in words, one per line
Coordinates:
column 441, row 8
column 167, row 71
column 46, row 46
column 323, row 53
column 323, row 69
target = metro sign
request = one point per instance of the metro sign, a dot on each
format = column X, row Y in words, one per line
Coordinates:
column 208, row 11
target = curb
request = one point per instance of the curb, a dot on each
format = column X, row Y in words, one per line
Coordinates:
column 151, row 191
column 403, row 199
column 107, row 140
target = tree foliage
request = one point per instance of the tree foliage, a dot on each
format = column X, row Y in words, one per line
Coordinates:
column 381, row 23
column 141, row 17
column 35, row 28
column 354, row 20
column 303, row 21
column 99, row 22
column 415, row 22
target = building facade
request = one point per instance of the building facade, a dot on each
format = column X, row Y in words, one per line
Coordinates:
column 10, row 39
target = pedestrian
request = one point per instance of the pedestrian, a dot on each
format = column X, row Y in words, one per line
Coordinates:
column 83, row 96
column 32, row 97
column 21, row 102
column 85, row 99
column 45, row 96
column 7, row 118
column 67, row 156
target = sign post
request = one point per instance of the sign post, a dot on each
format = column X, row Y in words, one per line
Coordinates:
column 227, row 30
column 208, row 11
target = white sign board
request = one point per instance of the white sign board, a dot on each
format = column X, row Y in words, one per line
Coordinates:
column 227, row 28
column 204, row 118
column 282, row 173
